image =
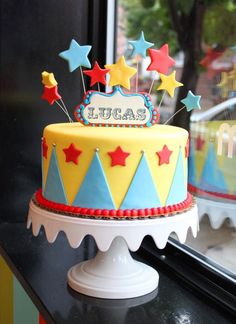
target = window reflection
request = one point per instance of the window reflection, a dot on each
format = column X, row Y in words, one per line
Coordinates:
column 212, row 161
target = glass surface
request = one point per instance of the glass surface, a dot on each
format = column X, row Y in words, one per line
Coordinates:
column 206, row 64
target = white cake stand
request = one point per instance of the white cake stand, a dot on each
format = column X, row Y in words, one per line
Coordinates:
column 113, row 273
column 217, row 211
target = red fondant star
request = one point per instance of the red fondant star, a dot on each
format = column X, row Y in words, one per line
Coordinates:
column 44, row 148
column 118, row 157
column 187, row 149
column 160, row 59
column 199, row 143
column 164, row 155
column 97, row 74
column 72, row 154
column 51, row 94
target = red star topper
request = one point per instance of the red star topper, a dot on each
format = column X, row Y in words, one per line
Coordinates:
column 164, row 155
column 118, row 157
column 97, row 74
column 50, row 94
column 72, row 154
column 160, row 59
column 199, row 143
column 44, row 148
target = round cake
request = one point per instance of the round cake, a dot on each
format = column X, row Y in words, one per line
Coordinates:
column 114, row 172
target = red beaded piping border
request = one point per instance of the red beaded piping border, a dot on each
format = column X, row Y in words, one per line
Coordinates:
column 205, row 193
column 112, row 213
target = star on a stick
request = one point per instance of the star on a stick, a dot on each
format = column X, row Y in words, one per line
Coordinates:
column 76, row 55
column 118, row 157
column 96, row 74
column 51, row 94
column 164, row 155
column 160, row 59
column 140, row 46
column 48, row 79
column 169, row 83
column 72, row 153
column 191, row 101
column 120, row 73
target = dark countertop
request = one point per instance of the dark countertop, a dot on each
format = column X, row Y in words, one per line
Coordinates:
column 42, row 268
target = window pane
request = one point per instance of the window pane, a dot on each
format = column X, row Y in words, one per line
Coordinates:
column 201, row 38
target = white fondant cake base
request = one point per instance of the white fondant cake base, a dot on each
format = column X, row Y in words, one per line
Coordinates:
column 113, row 274
column 217, row 212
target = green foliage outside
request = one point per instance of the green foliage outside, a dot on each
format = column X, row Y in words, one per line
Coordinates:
column 152, row 16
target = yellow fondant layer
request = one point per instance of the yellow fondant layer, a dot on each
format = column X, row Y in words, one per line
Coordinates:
column 107, row 139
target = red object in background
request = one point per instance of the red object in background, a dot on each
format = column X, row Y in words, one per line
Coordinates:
column 207, row 61
column 42, row 320
column 199, row 143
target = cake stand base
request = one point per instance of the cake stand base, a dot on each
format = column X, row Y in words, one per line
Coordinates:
column 113, row 274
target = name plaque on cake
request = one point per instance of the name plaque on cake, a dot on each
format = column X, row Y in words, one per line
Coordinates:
column 116, row 109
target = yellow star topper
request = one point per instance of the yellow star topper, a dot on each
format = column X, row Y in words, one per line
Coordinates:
column 169, row 83
column 120, row 73
column 48, row 79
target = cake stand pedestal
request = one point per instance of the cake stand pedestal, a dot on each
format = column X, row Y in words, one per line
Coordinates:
column 113, row 273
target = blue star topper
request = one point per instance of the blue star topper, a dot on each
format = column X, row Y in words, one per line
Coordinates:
column 191, row 101
column 140, row 46
column 76, row 55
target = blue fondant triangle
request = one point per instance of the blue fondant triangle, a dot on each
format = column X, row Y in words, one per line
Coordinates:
column 54, row 189
column 192, row 166
column 142, row 192
column 212, row 178
column 94, row 191
column 178, row 187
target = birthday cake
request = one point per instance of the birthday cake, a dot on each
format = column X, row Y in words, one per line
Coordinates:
column 115, row 161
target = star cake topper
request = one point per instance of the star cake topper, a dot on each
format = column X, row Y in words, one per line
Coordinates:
column 97, row 74
column 120, row 73
column 169, row 83
column 160, row 60
column 140, row 46
column 51, row 94
column 48, row 79
column 76, row 55
column 191, row 101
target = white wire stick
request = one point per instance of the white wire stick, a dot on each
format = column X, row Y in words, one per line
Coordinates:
column 71, row 121
column 82, row 77
column 62, row 109
column 174, row 115
column 149, row 92
column 136, row 80
column 162, row 98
